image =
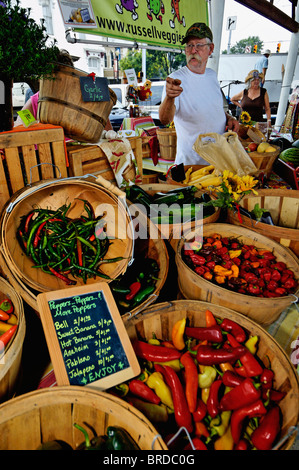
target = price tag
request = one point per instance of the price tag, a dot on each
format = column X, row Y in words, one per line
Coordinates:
column 87, row 340
column 27, row 117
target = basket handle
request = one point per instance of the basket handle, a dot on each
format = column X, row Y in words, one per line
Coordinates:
column 149, row 301
column 43, row 163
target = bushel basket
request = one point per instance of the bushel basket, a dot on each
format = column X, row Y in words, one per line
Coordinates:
column 52, row 195
column 262, row 310
column 60, row 103
column 160, row 318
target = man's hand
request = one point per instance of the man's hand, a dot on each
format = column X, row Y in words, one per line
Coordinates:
column 173, row 88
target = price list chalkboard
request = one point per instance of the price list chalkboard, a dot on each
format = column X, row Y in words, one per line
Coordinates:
column 87, row 340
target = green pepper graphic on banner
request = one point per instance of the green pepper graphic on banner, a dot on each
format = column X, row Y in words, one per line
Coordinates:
column 155, row 22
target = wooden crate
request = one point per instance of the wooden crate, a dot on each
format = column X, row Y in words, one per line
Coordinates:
column 29, row 155
column 90, row 159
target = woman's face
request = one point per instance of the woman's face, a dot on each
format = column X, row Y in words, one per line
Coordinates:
column 255, row 83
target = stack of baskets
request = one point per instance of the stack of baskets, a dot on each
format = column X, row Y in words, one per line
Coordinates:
column 167, row 142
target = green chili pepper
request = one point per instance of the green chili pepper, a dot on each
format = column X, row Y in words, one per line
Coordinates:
column 96, row 443
column 143, row 294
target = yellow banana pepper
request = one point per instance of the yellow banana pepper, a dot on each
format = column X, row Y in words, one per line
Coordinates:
column 205, row 392
column 251, row 344
column 225, row 442
column 177, row 334
column 156, row 382
column 207, row 376
column 220, row 424
column 174, row 364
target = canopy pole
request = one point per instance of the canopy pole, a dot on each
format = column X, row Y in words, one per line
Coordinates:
column 216, row 22
column 288, row 76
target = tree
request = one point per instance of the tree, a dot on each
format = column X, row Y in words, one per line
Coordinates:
column 159, row 64
column 240, row 46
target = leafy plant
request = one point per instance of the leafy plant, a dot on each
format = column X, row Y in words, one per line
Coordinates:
column 24, row 48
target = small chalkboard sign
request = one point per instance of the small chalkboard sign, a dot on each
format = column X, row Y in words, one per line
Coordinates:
column 94, row 89
column 86, row 337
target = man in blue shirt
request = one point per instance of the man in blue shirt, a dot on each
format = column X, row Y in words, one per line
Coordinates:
column 262, row 64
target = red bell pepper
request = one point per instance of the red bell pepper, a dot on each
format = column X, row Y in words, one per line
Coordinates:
column 265, row 434
column 234, row 328
column 240, row 396
column 213, row 398
column 208, row 356
column 253, row 410
column 191, row 378
column 140, row 389
column 250, row 364
column 200, row 412
column 155, row 353
column 209, row 333
column 182, row 414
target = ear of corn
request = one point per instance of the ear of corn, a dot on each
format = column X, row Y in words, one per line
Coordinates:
column 212, row 181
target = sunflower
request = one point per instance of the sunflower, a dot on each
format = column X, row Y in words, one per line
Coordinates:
column 247, row 183
column 245, row 118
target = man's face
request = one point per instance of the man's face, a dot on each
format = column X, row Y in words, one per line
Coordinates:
column 198, row 52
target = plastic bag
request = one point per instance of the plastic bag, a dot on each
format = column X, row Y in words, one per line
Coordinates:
column 225, row 152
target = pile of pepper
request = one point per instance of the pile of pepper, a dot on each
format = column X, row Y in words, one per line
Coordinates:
column 210, row 381
column 62, row 246
column 8, row 323
column 239, row 267
column 136, row 285
column 176, row 206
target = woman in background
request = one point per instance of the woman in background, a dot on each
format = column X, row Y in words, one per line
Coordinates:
column 254, row 99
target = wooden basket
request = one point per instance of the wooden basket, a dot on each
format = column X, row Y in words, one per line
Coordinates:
column 10, row 364
column 263, row 310
column 173, row 232
column 283, row 205
column 167, row 142
column 264, row 161
column 60, row 103
column 44, row 415
column 52, row 195
column 160, row 318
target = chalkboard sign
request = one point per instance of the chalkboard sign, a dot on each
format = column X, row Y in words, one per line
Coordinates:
column 94, row 89
column 87, row 340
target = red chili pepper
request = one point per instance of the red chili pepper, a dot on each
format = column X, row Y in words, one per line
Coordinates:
column 266, row 378
column 253, row 410
column 208, row 356
column 210, row 319
column 200, row 270
column 280, row 291
column 240, row 396
column 275, row 276
column 139, row 388
column 290, row 284
column 134, row 288
column 209, row 333
column 7, row 307
column 7, row 336
column 200, row 412
column 265, row 434
column 249, row 362
column 273, row 395
column 213, row 399
column 197, row 443
column 230, row 379
column 234, row 328
column 28, row 220
column 155, row 353
column 41, row 226
column 279, row 265
column 266, row 255
column 68, row 281
column 241, row 445
column 182, row 414
column 191, row 378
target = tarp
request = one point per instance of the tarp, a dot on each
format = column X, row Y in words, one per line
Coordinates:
column 156, row 22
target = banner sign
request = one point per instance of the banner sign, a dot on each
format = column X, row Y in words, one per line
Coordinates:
column 155, row 22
